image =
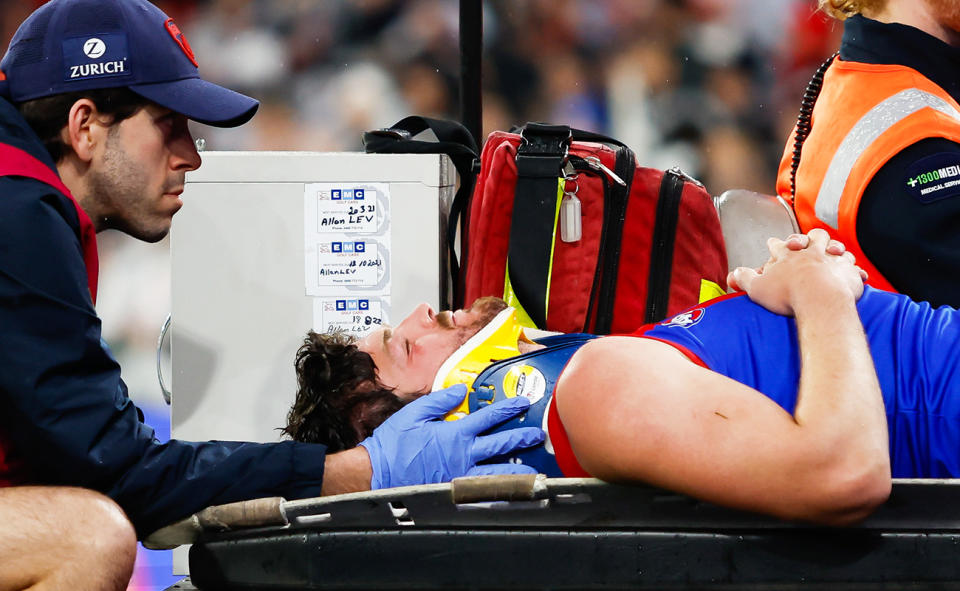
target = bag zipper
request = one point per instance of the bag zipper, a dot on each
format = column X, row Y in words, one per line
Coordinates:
column 592, row 164
column 624, row 166
column 664, row 238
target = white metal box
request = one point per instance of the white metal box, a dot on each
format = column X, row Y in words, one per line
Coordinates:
column 242, row 266
column 239, row 299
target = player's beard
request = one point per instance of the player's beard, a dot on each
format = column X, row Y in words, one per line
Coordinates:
column 486, row 309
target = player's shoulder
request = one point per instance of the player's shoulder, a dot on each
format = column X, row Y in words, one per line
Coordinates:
column 633, row 355
column 729, row 305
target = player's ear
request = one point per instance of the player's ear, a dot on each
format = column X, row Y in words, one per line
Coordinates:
column 85, row 129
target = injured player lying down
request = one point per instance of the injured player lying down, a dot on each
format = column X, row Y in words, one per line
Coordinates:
column 798, row 399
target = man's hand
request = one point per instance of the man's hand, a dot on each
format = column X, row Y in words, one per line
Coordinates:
column 798, row 266
column 834, row 247
column 415, row 446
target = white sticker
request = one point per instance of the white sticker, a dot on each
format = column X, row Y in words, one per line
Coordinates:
column 351, row 314
column 347, row 239
column 343, row 209
column 526, row 381
column 348, row 262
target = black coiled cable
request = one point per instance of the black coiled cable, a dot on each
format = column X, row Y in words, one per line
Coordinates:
column 804, row 120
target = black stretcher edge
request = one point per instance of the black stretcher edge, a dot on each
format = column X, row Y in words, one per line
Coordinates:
column 580, row 533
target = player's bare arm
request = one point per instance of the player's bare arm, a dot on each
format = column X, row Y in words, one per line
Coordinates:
column 689, row 429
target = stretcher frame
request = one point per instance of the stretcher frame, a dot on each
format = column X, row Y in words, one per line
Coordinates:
column 565, row 533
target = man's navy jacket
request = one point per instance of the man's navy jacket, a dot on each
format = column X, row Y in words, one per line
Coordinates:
column 64, row 409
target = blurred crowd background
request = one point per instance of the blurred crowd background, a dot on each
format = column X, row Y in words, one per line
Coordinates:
column 712, row 86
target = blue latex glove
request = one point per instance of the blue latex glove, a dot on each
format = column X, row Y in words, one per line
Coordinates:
column 415, row 446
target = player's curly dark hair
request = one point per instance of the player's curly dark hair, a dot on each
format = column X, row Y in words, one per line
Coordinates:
column 339, row 399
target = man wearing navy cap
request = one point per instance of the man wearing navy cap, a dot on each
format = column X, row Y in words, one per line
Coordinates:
column 94, row 101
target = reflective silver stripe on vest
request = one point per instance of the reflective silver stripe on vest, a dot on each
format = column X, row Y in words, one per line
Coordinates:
column 878, row 120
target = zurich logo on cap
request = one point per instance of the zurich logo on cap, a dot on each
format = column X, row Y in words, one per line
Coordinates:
column 94, row 48
column 78, row 45
column 103, row 56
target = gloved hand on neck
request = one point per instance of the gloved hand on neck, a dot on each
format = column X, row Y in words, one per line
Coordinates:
column 416, row 446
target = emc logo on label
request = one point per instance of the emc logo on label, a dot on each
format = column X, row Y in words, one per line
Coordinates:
column 94, row 48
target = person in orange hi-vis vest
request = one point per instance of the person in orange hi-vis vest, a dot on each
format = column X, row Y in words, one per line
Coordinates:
column 875, row 156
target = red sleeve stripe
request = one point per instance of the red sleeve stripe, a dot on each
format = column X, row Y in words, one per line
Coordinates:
column 568, row 463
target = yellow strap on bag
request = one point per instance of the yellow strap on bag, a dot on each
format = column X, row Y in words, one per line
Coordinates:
column 510, row 296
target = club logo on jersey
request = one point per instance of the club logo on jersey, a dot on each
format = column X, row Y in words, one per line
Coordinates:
column 686, row 319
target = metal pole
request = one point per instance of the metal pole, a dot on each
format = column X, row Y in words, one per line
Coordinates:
column 471, row 54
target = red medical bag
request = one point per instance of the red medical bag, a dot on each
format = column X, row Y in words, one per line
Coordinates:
column 593, row 241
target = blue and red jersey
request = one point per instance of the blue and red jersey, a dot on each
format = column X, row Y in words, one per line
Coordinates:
column 914, row 348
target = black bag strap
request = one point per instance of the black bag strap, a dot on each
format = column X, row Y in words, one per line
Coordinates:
column 576, row 135
column 541, row 157
column 663, row 243
column 540, row 160
column 579, row 135
column 455, row 141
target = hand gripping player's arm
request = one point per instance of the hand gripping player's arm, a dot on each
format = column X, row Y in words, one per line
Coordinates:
column 416, row 446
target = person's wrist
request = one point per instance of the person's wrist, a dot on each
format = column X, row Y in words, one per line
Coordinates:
column 347, row 471
column 817, row 295
column 375, row 456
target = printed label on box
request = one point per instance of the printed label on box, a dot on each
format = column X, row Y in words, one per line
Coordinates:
column 357, row 316
column 344, row 209
column 347, row 239
column 348, row 262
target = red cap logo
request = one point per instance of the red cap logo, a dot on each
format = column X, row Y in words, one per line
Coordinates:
column 181, row 40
